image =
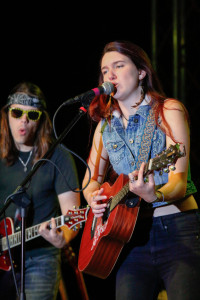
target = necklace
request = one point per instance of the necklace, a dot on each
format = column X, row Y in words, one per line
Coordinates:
column 124, row 117
column 123, row 122
column 25, row 163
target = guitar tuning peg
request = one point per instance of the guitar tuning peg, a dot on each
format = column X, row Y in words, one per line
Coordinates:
column 172, row 168
column 166, row 170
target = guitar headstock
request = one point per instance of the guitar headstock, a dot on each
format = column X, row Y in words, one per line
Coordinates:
column 166, row 159
column 76, row 216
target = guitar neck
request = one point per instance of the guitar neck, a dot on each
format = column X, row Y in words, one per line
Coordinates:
column 119, row 196
column 164, row 159
column 30, row 234
column 125, row 190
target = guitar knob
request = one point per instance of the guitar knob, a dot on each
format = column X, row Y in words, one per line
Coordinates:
column 132, row 202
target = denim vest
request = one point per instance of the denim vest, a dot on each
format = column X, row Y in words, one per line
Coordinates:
column 123, row 145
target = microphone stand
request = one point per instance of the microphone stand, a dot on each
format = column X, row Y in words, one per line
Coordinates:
column 24, row 202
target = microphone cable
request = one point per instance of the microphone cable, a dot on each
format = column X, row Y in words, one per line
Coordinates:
column 72, row 152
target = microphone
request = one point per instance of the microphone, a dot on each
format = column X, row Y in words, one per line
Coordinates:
column 106, row 88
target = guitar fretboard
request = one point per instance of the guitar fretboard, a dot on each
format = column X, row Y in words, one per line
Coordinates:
column 30, row 233
column 124, row 191
column 119, row 196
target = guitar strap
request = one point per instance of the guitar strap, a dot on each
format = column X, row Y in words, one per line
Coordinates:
column 147, row 138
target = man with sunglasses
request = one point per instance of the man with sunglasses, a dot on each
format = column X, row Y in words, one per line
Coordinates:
column 32, row 115
column 25, row 137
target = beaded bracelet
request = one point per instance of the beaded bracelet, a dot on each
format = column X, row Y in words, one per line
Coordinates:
column 159, row 199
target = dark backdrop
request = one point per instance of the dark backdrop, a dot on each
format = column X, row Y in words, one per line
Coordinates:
column 58, row 46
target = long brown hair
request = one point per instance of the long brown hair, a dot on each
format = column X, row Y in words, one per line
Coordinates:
column 99, row 107
column 43, row 137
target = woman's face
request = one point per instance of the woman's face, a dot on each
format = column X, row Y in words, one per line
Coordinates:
column 22, row 129
column 122, row 72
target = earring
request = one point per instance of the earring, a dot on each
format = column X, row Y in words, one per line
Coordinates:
column 141, row 98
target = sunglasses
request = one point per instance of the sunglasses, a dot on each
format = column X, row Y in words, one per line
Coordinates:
column 17, row 113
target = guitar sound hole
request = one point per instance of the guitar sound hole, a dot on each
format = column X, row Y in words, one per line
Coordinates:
column 106, row 214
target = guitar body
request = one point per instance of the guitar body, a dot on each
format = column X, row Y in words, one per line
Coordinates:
column 5, row 264
column 103, row 241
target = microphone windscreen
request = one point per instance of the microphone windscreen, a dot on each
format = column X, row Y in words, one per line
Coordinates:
column 108, row 88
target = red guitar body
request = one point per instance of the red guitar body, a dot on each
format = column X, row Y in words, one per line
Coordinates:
column 103, row 241
column 4, row 257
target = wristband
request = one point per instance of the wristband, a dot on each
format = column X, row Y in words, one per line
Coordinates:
column 159, row 199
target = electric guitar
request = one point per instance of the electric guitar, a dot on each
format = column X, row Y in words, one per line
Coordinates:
column 71, row 220
column 103, row 238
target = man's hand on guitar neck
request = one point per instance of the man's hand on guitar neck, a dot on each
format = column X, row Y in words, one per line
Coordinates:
column 52, row 234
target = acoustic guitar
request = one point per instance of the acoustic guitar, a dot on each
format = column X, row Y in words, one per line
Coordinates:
column 103, row 238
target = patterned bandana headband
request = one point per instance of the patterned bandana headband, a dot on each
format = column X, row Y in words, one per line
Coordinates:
column 24, row 99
